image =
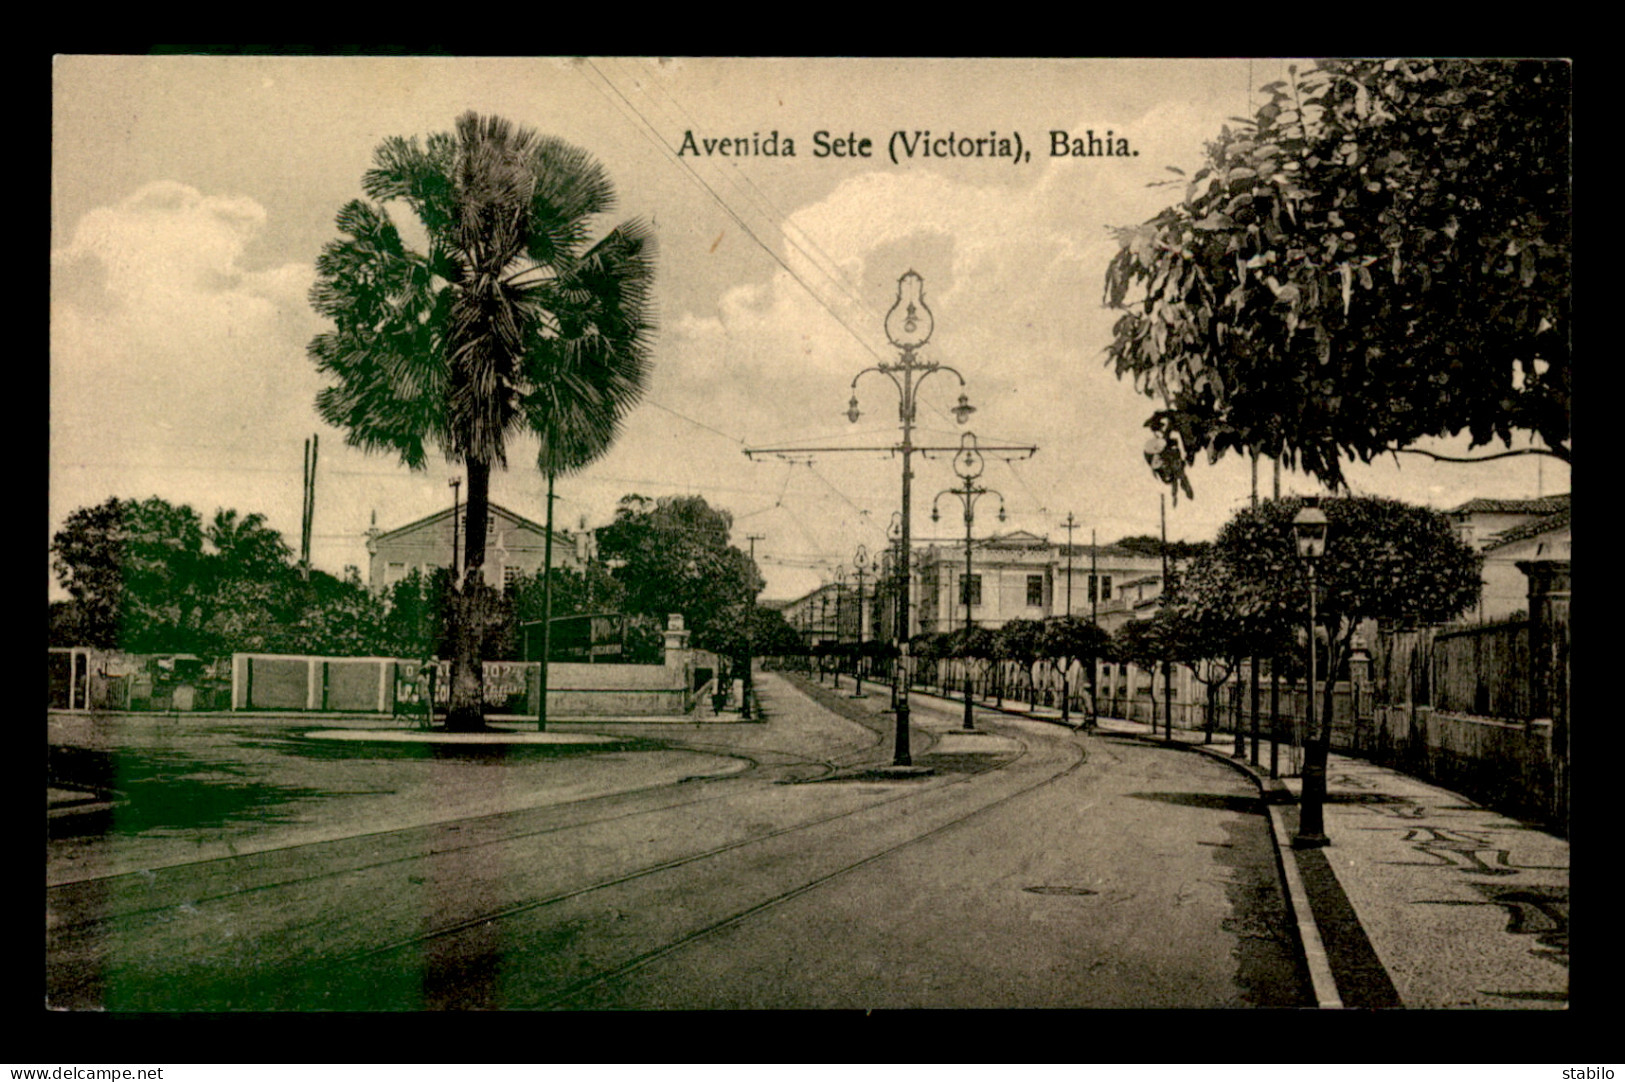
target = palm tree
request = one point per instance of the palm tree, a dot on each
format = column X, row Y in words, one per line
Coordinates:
column 509, row 323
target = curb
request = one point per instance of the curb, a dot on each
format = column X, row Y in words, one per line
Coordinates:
column 1302, row 913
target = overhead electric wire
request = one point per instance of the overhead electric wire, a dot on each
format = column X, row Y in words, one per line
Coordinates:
column 832, row 271
column 661, row 143
column 692, row 421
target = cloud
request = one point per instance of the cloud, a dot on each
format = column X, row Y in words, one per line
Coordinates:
column 164, row 335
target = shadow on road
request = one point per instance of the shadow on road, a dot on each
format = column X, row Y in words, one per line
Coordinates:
column 1245, row 805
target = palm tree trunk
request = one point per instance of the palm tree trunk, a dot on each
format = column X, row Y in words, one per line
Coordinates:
column 471, row 610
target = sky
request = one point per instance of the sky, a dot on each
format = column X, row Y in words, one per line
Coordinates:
column 191, row 197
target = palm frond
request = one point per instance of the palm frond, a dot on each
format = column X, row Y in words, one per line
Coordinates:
column 570, row 186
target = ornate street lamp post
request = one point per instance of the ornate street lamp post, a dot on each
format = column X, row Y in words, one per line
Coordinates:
column 860, row 564
column 908, row 327
column 1309, row 530
column 840, row 588
column 894, row 534
column 968, row 465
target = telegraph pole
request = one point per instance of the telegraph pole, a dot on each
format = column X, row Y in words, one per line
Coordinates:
column 749, row 687
column 1094, row 620
column 1070, row 525
column 308, row 514
column 456, row 484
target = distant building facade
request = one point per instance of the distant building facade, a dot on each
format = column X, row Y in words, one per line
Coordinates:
column 1018, row 575
column 1505, row 532
column 514, row 545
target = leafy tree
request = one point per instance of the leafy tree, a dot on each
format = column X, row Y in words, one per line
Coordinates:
column 1147, row 545
column 339, row 617
column 509, row 324
column 972, row 646
column 135, row 571
column 1213, row 621
column 575, row 592
column 1149, row 644
column 1379, row 255
column 1021, row 641
column 416, row 614
column 1069, row 640
column 674, row 556
column 1384, row 560
column 929, row 648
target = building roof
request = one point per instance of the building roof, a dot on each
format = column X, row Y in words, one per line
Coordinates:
column 1113, row 551
column 1525, row 530
column 1544, row 505
column 496, row 509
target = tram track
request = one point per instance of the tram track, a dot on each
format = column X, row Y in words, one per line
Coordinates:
column 187, row 905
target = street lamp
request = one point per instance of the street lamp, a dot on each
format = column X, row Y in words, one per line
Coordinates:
column 1309, row 530
column 968, row 465
column 860, row 563
column 894, row 534
column 840, row 589
column 908, row 327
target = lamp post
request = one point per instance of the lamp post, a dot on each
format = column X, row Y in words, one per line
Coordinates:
column 1309, row 530
column 823, row 627
column 908, row 327
column 968, row 465
column 894, row 535
column 840, row 588
column 861, row 565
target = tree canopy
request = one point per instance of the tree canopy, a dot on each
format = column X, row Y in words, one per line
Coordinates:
column 1384, row 560
column 148, row 577
column 1380, row 254
column 672, row 555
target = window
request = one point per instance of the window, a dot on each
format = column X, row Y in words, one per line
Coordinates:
column 1105, row 585
column 1035, row 590
column 393, row 573
column 509, row 575
column 970, row 590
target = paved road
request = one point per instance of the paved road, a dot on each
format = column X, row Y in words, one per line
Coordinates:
column 1034, row 867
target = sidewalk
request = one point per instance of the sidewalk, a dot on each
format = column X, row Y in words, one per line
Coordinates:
column 1423, row 898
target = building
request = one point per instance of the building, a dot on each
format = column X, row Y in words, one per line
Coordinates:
column 514, row 545
column 830, row 613
column 1021, row 575
column 1504, row 532
column 1015, row 575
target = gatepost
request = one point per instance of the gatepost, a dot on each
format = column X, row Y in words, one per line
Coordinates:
column 1549, row 666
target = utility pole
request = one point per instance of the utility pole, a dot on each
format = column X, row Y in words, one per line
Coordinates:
column 908, row 327
column 456, row 484
column 547, row 601
column 308, row 512
column 1070, row 525
column 1094, row 620
column 749, row 688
